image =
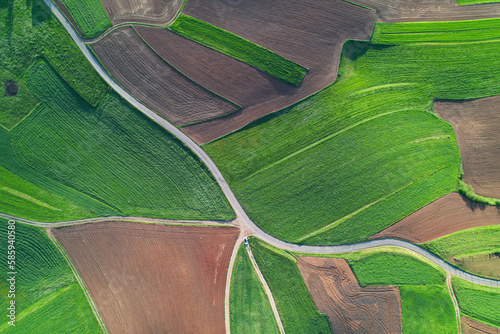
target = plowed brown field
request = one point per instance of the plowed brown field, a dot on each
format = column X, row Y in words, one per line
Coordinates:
column 147, row 278
column 154, row 82
column 428, row 10
column 449, row 214
column 143, row 11
column 471, row 326
column 310, row 33
column 477, row 127
column 350, row 308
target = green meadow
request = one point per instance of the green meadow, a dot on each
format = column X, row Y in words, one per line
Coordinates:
column 89, row 15
column 364, row 152
column 249, row 306
column 45, row 287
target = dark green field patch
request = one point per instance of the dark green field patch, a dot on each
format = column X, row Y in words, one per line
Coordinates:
column 239, row 48
column 113, row 154
column 89, row 15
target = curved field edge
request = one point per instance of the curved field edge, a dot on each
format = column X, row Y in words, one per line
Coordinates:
column 475, row 241
column 478, row 302
column 382, row 80
column 239, row 48
column 250, row 311
column 48, row 298
column 111, row 153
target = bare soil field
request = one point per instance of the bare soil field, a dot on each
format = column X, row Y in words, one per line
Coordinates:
column 449, row 214
column 141, row 11
column 350, row 308
column 148, row 278
column 154, row 82
column 428, row 10
column 477, row 127
column 310, row 33
column 471, row 326
column 238, row 82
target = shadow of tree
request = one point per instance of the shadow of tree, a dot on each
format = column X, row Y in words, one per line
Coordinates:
column 40, row 13
column 9, row 19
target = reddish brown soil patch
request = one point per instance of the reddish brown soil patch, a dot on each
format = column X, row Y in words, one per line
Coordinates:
column 144, row 11
column 428, row 10
column 477, row 127
column 449, row 214
column 68, row 16
column 147, row 278
column 310, row 33
column 154, row 82
column 11, row 88
column 471, row 326
column 350, row 308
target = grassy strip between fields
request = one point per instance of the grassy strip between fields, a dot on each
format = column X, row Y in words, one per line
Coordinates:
column 48, row 298
column 295, row 305
column 239, row 48
column 467, row 191
column 478, row 302
column 249, row 305
column 474, row 2
column 89, row 15
column 441, row 31
column 113, row 154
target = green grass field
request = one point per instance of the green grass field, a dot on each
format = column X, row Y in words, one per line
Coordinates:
column 427, row 309
column 14, row 108
column 48, row 298
column 239, row 48
column 90, row 16
column 295, row 305
column 478, row 302
column 429, row 32
column 363, row 153
column 28, row 31
column 474, row 241
column 250, row 308
column 113, row 154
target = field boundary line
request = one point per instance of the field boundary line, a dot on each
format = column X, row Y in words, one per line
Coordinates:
column 227, row 292
column 266, row 289
column 455, row 302
column 79, row 279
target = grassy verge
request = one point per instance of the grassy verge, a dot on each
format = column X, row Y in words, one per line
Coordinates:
column 442, row 31
column 239, row 48
column 250, row 308
column 29, row 31
column 427, row 309
column 89, row 15
column 48, row 298
column 474, row 2
column 363, row 153
column 478, row 302
column 467, row 191
column 297, row 309
column 113, row 154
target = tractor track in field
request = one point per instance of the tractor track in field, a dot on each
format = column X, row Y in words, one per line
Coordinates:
column 247, row 227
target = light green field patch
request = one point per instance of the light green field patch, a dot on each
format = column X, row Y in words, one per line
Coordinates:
column 250, row 308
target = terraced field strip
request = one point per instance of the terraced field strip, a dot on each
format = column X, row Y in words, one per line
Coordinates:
column 239, row 48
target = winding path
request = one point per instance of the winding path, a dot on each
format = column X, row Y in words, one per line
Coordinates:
column 243, row 221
